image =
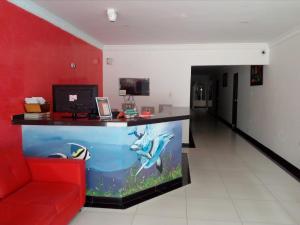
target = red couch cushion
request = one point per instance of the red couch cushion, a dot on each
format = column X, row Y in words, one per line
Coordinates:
column 14, row 172
column 59, row 195
column 11, row 214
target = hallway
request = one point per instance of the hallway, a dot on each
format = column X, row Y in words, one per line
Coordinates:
column 232, row 184
column 224, row 165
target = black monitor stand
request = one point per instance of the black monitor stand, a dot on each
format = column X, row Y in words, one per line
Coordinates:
column 80, row 115
column 75, row 114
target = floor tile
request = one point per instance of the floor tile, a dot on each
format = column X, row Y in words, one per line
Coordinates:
column 202, row 163
column 203, row 222
column 262, row 224
column 75, row 219
column 239, row 177
column 130, row 210
column 262, row 212
column 282, row 178
column 163, row 206
column 249, row 191
column 285, row 193
column 293, row 208
column 93, row 218
column 206, row 190
column 263, row 166
column 205, row 176
column 154, row 220
column 211, row 209
column 179, row 192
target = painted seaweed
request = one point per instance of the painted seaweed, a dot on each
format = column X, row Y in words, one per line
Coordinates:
column 135, row 184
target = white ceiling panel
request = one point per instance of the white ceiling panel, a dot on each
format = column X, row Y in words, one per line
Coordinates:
column 179, row 22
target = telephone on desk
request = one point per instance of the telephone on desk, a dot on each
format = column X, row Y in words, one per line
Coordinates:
column 130, row 113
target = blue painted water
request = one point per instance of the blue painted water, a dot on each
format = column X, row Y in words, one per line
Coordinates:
column 112, row 162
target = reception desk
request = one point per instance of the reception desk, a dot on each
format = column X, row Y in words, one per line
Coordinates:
column 125, row 158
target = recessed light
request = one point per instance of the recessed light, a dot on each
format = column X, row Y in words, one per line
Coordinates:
column 183, row 15
column 111, row 14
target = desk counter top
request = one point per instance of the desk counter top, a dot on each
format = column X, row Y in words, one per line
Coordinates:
column 173, row 114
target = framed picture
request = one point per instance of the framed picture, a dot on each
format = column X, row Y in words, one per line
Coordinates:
column 104, row 109
column 256, row 76
column 225, row 79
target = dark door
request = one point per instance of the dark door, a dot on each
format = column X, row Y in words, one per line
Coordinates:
column 191, row 92
column 235, row 100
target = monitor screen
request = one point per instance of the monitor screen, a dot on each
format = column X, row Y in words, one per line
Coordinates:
column 75, row 98
column 134, row 86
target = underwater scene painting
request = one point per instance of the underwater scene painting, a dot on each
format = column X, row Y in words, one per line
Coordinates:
column 120, row 161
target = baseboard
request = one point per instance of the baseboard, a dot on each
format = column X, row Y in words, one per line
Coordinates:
column 284, row 164
column 224, row 121
column 186, row 145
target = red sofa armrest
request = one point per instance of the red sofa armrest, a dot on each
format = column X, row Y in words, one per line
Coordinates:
column 59, row 170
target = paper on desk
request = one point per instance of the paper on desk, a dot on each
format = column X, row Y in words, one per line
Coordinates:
column 35, row 100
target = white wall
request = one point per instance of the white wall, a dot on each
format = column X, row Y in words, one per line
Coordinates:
column 169, row 68
column 271, row 113
column 274, row 115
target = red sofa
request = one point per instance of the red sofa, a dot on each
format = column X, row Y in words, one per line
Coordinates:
column 35, row 191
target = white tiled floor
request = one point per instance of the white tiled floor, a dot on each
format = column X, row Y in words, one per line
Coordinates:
column 232, row 184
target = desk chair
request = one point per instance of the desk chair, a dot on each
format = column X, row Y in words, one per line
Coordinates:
column 164, row 107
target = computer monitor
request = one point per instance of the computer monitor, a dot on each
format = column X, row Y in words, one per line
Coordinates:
column 75, row 99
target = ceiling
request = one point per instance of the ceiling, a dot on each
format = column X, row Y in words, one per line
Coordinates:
column 180, row 22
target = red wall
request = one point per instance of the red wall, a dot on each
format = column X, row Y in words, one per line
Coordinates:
column 35, row 54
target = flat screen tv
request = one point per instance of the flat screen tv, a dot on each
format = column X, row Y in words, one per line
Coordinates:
column 75, row 98
column 134, row 86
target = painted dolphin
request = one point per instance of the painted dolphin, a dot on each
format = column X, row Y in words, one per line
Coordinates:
column 149, row 148
column 159, row 145
column 143, row 145
column 79, row 152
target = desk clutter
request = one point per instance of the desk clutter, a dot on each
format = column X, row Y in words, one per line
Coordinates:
column 36, row 108
column 39, row 108
column 44, row 115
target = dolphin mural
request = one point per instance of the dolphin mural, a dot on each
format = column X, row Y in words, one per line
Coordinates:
column 144, row 143
column 149, row 147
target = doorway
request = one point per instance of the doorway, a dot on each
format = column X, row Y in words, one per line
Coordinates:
column 235, row 100
column 202, row 92
column 216, row 97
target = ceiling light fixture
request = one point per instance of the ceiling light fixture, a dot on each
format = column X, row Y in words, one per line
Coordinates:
column 111, row 14
column 183, row 15
column 244, row 21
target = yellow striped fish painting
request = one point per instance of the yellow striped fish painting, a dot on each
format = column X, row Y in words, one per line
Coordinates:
column 79, row 151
